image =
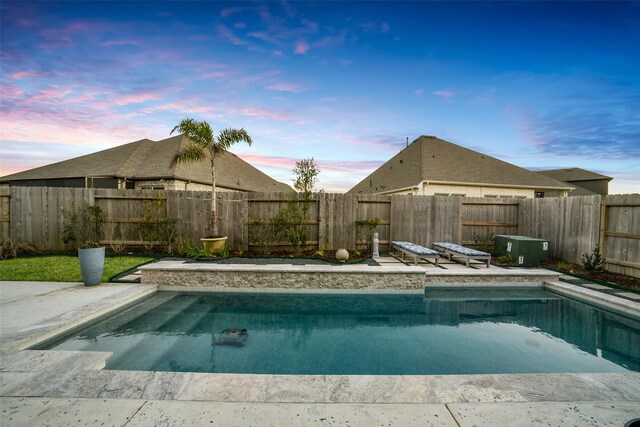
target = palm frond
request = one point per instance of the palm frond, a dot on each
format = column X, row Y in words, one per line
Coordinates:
column 190, row 153
column 198, row 132
column 228, row 137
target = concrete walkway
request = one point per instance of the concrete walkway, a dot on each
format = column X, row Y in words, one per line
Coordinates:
column 70, row 388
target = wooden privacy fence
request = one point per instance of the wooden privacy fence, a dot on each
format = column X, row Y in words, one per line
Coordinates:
column 620, row 233
column 573, row 225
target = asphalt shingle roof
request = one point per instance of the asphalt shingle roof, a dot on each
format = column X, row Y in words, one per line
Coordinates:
column 434, row 160
column 573, row 174
column 150, row 160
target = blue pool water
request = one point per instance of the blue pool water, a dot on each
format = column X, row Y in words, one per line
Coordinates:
column 441, row 332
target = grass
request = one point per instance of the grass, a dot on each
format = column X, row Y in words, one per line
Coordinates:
column 64, row 268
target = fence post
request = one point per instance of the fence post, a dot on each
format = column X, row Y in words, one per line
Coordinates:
column 602, row 238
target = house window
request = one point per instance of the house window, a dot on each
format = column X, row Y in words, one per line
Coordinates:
column 506, row 197
column 495, row 196
column 152, row 187
column 539, row 194
column 458, row 194
column 440, row 194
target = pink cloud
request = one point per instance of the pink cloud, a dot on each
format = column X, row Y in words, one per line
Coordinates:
column 136, row 98
column 213, row 75
column 325, row 165
column 123, row 42
column 54, row 37
column 55, row 93
column 524, row 122
column 284, row 87
column 181, row 107
column 240, row 25
column 264, row 113
column 227, row 33
column 261, row 35
column 301, row 48
column 444, row 93
column 270, row 161
column 11, row 91
column 19, row 75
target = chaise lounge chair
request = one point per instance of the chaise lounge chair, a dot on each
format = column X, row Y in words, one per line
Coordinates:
column 451, row 250
column 416, row 251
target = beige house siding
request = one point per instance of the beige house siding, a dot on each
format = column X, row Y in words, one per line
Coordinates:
column 473, row 191
column 426, row 189
column 176, row 184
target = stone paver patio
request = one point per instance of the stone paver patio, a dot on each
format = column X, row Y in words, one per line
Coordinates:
column 69, row 388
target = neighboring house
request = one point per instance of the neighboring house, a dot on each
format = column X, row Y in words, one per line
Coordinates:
column 587, row 183
column 432, row 166
column 147, row 164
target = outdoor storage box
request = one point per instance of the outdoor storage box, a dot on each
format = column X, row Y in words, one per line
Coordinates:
column 522, row 249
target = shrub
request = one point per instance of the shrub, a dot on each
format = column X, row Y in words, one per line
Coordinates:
column 485, row 243
column 264, row 233
column 504, row 259
column 83, row 227
column 593, row 261
column 193, row 252
column 156, row 227
column 11, row 249
column 564, row 266
column 290, row 223
column 369, row 225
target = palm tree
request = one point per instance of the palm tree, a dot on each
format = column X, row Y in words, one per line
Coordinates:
column 202, row 142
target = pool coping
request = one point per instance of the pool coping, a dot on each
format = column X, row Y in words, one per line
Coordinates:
column 51, row 373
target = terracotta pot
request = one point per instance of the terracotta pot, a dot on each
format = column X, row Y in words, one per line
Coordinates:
column 215, row 245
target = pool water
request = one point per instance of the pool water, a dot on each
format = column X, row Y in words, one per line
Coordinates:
column 477, row 331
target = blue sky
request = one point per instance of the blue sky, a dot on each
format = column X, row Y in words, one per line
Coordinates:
column 539, row 84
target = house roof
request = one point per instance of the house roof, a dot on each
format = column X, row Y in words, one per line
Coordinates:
column 574, row 174
column 434, row 160
column 150, row 160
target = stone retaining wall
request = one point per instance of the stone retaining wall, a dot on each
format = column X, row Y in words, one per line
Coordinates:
column 298, row 278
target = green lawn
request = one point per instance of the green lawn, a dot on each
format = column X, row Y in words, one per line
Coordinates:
column 63, row 268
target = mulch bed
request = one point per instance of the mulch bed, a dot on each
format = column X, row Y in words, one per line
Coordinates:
column 602, row 277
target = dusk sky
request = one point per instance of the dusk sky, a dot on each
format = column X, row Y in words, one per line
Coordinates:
column 541, row 85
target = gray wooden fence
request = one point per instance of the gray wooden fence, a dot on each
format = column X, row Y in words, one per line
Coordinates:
column 573, row 225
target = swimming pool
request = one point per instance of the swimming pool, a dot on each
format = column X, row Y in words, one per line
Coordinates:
column 446, row 331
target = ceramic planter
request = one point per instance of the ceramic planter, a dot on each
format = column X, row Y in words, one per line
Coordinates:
column 91, row 265
column 215, row 245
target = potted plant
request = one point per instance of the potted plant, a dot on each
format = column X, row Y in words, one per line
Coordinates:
column 91, row 256
column 83, row 231
column 202, row 145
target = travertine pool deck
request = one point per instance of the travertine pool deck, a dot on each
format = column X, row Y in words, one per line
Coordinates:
column 62, row 387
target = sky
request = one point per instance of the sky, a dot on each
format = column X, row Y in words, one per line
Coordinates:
column 542, row 85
